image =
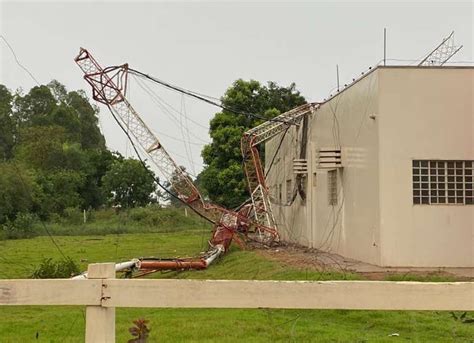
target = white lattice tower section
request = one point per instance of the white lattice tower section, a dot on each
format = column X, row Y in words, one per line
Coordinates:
column 442, row 53
column 107, row 89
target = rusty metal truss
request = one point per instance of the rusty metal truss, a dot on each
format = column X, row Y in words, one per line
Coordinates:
column 262, row 209
column 109, row 87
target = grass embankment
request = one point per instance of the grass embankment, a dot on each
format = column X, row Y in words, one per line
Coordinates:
column 66, row 324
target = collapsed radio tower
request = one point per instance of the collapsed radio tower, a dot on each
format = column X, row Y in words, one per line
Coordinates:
column 442, row 53
column 109, row 87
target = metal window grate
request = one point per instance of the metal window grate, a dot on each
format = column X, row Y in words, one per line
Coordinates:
column 289, row 191
column 442, row 182
column 332, row 187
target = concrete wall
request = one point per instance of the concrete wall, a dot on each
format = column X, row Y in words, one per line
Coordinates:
column 423, row 114
column 351, row 227
column 292, row 220
column 384, row 121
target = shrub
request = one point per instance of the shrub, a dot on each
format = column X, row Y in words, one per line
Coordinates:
column 73, row 215
column 51, row 269
column 24, row 226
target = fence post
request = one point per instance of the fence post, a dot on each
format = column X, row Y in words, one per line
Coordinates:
column 100, row 321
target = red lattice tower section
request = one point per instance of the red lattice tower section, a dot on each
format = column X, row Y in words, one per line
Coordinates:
column 109, row 88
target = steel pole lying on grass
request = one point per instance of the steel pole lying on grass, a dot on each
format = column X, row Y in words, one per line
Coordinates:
column 147, row 265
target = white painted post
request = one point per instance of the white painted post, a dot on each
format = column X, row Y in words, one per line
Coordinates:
column 100, row 321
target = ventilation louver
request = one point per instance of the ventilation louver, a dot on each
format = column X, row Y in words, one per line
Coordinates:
column 329, row 158
column 300, row 166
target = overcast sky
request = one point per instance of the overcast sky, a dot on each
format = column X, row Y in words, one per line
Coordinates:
column 205, row 46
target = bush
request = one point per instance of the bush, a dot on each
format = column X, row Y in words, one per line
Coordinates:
column 24, row 226
column 50, row 269
column 73, row 215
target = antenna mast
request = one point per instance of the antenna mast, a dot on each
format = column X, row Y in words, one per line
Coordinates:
column 442, row 53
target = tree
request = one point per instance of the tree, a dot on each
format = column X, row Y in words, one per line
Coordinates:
column 41, row 147
column 223, row 176
column 56, row 135
column 17, row 188
column 7, row 127
column 53, row 105
column 59, row 189
column 88, row 115
column 35, row 107
column 99, row 163
column 129, row 184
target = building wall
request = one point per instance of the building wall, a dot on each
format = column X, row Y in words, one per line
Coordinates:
column 382, row 122
column 423, row 114
column 350, row 227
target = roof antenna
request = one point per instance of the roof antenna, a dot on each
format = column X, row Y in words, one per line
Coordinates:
column 442, row 53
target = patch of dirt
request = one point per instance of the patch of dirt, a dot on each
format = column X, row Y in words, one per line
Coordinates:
column 312, row 259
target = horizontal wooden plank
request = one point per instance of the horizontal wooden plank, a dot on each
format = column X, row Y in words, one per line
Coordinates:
column 370, row 295
column 50, row 292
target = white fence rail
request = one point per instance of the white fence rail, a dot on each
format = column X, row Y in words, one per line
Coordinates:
column 101, row 294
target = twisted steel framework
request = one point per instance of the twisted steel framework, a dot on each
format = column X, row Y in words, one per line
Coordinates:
column 254, row 172
column 109, row 87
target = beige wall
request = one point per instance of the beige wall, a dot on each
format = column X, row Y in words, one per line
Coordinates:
column 423, row 114
column 291, row 220
column 349, row 228
column 383, row 121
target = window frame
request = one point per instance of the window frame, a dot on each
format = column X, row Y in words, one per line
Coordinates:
column 442, row 182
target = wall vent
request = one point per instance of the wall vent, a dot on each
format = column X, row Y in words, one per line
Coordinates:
column 329, row 158
column 300, row 166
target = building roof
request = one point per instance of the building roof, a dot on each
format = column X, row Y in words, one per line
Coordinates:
column 372, row 69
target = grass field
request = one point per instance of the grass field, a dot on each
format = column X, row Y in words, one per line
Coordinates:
column 66, row 324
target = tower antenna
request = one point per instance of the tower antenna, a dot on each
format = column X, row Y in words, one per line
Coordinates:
column 442, row 53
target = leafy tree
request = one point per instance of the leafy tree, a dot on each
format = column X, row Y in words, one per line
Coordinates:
column 52, row 105
column 128, row 184
column 59, row 189
column 91, row 137
column 17, row 191
column 7, row 127
column 99, row 162
column 57, row 136
column 41, row 147
column 223, row 177
column 34, row 107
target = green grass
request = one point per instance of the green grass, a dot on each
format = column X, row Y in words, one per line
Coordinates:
column 434, row 277
column 66, row 324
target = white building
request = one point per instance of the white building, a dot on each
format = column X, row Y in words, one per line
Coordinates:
column 390, row 170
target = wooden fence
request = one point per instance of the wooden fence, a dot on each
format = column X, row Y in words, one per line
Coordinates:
column 102, row 293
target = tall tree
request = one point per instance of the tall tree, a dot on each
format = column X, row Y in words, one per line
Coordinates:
column 56, row 134
column 17, row 189
column 7, row 127
column 223, row 176
column 128, row 184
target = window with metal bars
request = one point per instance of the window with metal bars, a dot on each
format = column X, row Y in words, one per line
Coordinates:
column 332, row 187
column 289, row 191
column 442, row 182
